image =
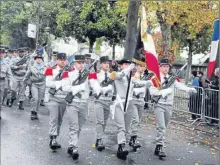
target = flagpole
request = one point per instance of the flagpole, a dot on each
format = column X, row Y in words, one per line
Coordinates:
column 38, row 24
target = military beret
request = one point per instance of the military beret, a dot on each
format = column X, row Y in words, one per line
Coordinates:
column 54, row 53
column 79, row 58
column 61, row 56
column 11, row 50
column 104, row 59
column 124, row 60
column 88, row 55
column 2, row 50
column 165, row 61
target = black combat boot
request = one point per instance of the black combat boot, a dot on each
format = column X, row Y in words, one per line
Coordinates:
column 159, row 151
column 134, row 143
column 7, row 102
column 32, row 115
column 21, row 105
column 99, row 145
column 11, row 102
column 73, row 153
column 53, row 143
column 42, row 103
column 36, row 117
column 122, row 152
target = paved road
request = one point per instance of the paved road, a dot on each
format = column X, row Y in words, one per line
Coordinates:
column 26, row 142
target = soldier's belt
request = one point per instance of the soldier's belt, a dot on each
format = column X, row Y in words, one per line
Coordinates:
column 19, row 75
column 37, row 81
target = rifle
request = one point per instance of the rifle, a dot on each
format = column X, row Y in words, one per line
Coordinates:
column 105, row 83
column 146, row 77
column 171, row 80
column 79, row 81
column 23, row 60
column 58, row 77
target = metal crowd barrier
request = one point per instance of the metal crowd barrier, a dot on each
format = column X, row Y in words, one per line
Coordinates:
column 202, row 105
column 211, row 104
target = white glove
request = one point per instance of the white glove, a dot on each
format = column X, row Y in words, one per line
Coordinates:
column 192, row 90
column 149, row 83
column 78, row 88
column 58, row 84
column 107, row 89
column 137, row 91
column 166, row 92
column 95, row 86
column 128, row 69
column 131, row 67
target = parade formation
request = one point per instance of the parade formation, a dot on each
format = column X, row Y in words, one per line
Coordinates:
column 68, row 86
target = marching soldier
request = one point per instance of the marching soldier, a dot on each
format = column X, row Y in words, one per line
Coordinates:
column 18, row 73
column 139, row 90
column 103, row 102
column 37, row 78
column 57, row 103
column 123, row 116
column 77, row 107
column 5, row 75
column 52, row 63
column 163, row 109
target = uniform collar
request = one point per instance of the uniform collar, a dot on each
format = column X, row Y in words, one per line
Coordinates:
column 102, row 71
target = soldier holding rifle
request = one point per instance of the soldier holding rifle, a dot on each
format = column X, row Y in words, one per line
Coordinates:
column 19, row 69
column 5, row 75
column 57, row 103
column 77, row 86
column 104, row 94
column 163, row 99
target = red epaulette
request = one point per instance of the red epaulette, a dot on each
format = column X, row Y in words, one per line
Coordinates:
column 92, row 75
column 65, row 75
column 71, row 69
column 49, row 72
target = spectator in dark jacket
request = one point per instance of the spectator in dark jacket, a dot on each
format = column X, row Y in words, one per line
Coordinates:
column 202, row 80
column 212, row 100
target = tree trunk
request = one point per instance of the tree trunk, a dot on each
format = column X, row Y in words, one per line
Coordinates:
column 166, row 33
column 130, row 41
column 91, row 44
column 113, row 52
column 188, row 70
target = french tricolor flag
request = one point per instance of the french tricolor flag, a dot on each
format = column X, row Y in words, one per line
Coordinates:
column 214, row 49
column 150, row 50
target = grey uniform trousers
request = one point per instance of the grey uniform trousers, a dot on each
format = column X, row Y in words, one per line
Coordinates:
column 57, row 107
column 37, row 91
column 123, row 121
column 162, row 113
column 102, row 108
column 136, row 117
column 2, row 91
column 76, row 112
column 18, row 87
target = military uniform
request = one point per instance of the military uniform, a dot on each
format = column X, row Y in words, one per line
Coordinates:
column 163, row 109
column 102, row 103
column 5, row 75
column 57, row 103
column 36, row 76
column 52, row 63
column 76, row 110
column 18, row 73
column 123, row 119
